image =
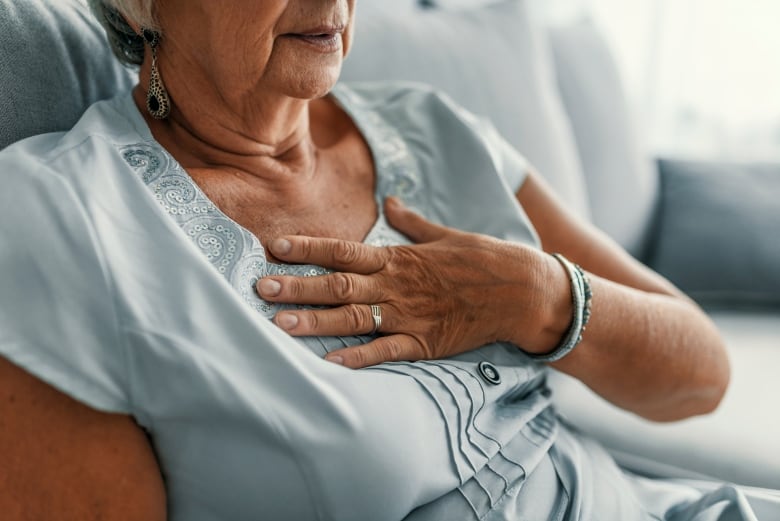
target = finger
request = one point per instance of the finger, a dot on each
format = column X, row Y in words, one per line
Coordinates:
column 412, row 224
column 326, row 290
column 352, row 319
column 393, row 348
column 353, row 257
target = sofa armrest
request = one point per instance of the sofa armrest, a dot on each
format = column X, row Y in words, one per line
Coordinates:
column 717, row 232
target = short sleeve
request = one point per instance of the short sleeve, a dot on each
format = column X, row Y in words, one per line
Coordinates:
column 508, row 162
column 512, row 166
column 57, row 312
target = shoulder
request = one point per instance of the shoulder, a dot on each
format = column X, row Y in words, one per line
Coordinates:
column 421, row 112
column 102, row 125
column 433, row 125
column 59, row 178
column 62, row 169
column 47, row 192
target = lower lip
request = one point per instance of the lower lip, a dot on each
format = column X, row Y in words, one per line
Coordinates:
column 329, row 43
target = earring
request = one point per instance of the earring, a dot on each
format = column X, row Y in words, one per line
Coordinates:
column 158, row 103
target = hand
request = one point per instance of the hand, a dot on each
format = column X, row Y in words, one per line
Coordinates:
column 451, row 292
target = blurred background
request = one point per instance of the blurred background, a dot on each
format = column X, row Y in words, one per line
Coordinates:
column 704, row 75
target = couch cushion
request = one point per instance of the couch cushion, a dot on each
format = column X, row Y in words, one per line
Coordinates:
column 740, row 442
column 621, row 178
column 55, row 62
column 492, row 61
column 718, row 232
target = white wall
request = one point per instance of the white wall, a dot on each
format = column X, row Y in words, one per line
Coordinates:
column 704, row 74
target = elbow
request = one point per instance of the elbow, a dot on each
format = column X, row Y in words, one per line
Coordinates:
column 717, row 390
column 712, row 391
column 705, row 387
column 697, row 400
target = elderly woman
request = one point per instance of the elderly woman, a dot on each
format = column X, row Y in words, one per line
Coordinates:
column 146, row 250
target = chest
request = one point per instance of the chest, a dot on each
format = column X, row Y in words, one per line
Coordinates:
column 338, row 201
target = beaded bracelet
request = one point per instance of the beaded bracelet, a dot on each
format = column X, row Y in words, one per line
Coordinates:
column 582, row 297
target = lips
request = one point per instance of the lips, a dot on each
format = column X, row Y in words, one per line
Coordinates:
column 325, row 39
column 317, row 37
column 321, row 30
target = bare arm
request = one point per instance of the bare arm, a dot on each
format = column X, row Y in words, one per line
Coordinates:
column 648, row 347
column 62, row 460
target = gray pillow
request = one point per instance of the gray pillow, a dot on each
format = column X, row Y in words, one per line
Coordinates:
column 54, row 63
column 718, row 234
column 491, row 60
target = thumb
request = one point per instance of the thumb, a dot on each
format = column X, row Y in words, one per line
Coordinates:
column 411, row 224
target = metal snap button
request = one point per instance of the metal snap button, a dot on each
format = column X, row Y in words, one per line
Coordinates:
column 489, row 372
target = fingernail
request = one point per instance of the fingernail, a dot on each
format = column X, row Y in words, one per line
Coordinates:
column 287, row 321
column 336, row 359
column 394, row 201
column 281, row 246
column 269, row 287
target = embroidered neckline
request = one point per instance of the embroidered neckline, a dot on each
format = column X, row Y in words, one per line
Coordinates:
column 234, row 251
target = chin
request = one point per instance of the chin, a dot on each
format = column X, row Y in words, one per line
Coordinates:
column 314, row 85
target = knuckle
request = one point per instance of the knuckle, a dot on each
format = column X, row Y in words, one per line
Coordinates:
column 391, row 350
column 305, row 248
column 422, row 347
column 342, row 286
column 360, row 356
column 354, row 317
column 312, row 321
column 346, row 252
column 294, row 288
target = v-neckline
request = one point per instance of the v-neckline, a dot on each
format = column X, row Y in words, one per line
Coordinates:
column 342, row 101
column 234, row 251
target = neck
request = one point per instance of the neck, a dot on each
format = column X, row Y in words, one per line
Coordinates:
column 269, row 138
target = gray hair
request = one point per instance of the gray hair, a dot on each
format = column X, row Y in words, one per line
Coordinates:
column 113, row 15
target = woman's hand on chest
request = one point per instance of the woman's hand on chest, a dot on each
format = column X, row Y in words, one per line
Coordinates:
column 449, row 293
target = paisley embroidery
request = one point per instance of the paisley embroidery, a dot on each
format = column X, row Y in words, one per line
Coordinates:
column 147, row 159
column 234, row 251
column 218, row 238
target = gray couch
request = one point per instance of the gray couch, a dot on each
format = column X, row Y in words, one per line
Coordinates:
column 555, row 93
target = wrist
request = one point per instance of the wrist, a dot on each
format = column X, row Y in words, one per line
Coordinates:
column 556, row 309
column 567, row 327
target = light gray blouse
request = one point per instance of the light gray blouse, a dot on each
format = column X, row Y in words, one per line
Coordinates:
column 126, row 288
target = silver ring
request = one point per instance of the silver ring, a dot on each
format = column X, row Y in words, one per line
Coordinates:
column 376, row 314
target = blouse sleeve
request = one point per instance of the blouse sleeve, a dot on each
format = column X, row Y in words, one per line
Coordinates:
column 510, row 164
column 57, row 311
column 472, row 174
column 507, row 161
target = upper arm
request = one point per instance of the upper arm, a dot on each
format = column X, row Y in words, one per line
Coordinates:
column 60, row 459
column 562, row 232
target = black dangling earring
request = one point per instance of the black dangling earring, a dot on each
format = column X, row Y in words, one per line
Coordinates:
column 158, row 103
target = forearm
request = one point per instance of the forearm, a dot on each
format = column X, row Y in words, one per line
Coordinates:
column 647, row 347
column 656, row 355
